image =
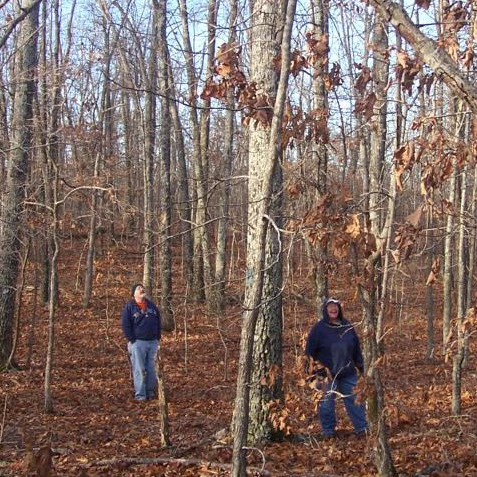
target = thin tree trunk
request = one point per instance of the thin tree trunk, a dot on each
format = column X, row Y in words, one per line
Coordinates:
column 319, row 150
column 160, row 15
column 222, row 228
column 49, row 408
column 183, row 186
column 447, row 273
column 162, row 400
column 461, row 301
column 201, row 277
column 105, row 123
column 90, row 254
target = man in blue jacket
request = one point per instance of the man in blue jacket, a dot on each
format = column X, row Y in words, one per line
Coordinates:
column 141, row 323
column 333, row 342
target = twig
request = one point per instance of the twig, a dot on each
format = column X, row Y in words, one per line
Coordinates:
column 2, row 427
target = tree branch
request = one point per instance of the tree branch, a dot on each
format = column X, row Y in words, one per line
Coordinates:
column 16, row 21
column 428, row 50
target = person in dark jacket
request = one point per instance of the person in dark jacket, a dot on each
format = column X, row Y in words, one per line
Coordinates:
column 141, row 324
column 333, row 342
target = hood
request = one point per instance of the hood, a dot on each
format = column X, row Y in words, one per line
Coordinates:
column 325, row 312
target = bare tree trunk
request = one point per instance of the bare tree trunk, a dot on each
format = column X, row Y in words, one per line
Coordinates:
column 260, row 183
column 160, row 15
column 105, row 122
column 377, row 285
column 12, row 213
column 266, row 388
column 222, row 232
column 320, row 151
column 461, row 301
column 185, row 211
column 202, row 277
column 149, row 150
column 430, row 292
column 90, row 254
column 49, row 408
column 447, row 274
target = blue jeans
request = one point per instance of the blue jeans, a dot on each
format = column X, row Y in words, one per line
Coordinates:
column 327, row 413
column 143, row 362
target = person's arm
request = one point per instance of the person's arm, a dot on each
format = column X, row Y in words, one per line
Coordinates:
column 311, row 350
column 127, row 324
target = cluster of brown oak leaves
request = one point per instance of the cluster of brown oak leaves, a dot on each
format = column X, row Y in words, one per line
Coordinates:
column 333, row 219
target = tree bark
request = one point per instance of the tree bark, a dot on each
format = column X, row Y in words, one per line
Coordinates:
column 164, row 193
column 258, row 210
column 266, row 389
column 319, row 150
column 222, row 232
column 149, row 151
column 19, row 160
column 185, row 210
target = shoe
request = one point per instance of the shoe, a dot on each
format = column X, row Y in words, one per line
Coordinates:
column 363, row 433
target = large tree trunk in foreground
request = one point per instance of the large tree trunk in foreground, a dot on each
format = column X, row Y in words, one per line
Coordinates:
column 12, row 212
column 266, row 390
column 258, row 211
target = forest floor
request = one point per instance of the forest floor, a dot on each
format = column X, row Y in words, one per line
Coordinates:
column 97, row 426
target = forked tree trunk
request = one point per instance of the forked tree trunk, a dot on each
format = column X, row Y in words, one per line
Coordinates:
column 12, row 212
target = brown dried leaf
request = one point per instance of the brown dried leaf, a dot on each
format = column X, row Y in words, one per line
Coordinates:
column 415, row 217
column 354, row 228
column 435, row 268
column 366, row 105
column 425, row 4
column 363, row 79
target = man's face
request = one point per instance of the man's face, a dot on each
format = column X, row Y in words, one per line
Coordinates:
column 332, row 310
column 139, row 293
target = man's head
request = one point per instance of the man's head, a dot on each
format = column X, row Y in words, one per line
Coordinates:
column 138, row 292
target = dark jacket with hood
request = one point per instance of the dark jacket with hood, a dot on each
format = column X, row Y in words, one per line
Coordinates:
column 335, row 347
column 141, row 325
